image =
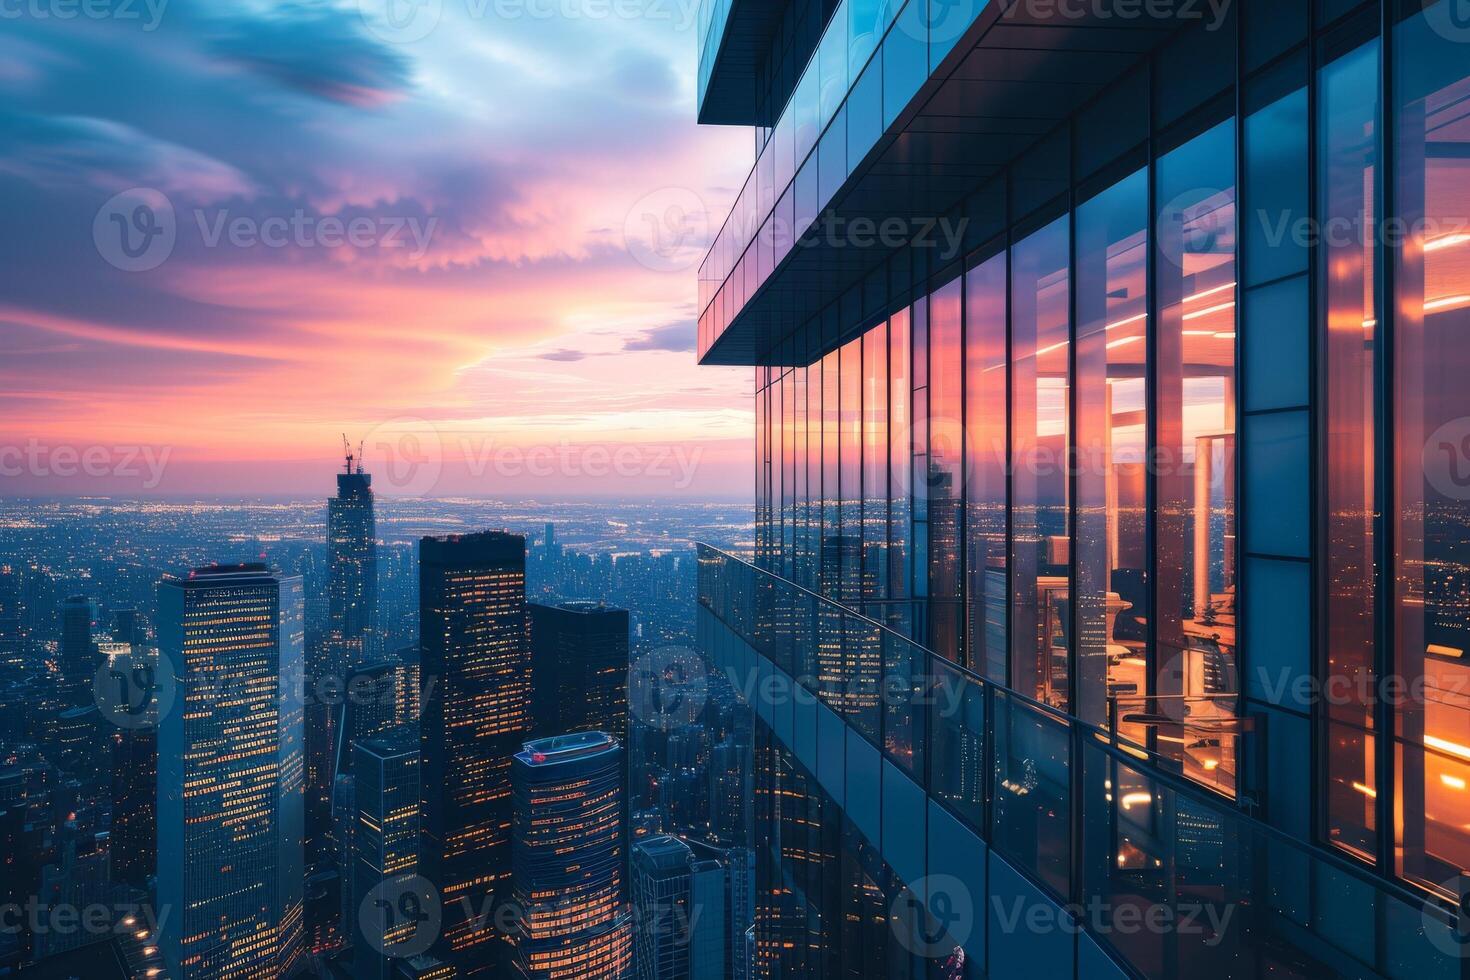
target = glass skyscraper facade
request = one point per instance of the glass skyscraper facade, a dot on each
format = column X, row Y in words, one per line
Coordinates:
column 1111, row 482
column 230, row 765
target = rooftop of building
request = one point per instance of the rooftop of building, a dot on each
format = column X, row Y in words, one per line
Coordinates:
column 563, row 748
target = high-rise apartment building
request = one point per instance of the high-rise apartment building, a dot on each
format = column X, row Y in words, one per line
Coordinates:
column 579, row 659
column 569, row 862
column 476, row 716
column 1107, row 391
column 229, row 774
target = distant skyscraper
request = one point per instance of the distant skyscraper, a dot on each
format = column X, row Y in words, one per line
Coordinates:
column 579, row 657
column 672, row 892
column 78, row 660
column 472, row 595
column 569, row 860
column 350, row 640
column 229, row 774
column 385, row 839
column 352, row 598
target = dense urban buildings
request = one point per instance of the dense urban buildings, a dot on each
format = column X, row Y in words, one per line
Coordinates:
column 569, row 859
column 1107, row 395
column 472, row 591
column 230, row 866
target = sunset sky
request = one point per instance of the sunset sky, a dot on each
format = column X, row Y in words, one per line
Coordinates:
column 514, row 314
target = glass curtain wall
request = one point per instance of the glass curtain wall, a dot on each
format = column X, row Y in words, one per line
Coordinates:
column 920, row 471
column 1431, row 469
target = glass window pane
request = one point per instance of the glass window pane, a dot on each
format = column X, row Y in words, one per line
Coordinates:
column 1112, row 429
column 986, row 550
column 1030, row 820
column 1431, row 404
column 875, row 470
column 1195, row 480
column 900, row 423
column 1348, row 156
column 849, row 540
column 945, row 482
column 831, row 488
column 1039, row 417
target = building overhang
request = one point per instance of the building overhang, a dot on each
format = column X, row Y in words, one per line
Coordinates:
column 1008, row 81
column 728, row 97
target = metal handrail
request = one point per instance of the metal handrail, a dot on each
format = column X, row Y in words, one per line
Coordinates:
column 1122, row 751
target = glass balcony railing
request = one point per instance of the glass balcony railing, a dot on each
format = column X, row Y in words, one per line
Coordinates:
column 1098, row 820
column 870, row 62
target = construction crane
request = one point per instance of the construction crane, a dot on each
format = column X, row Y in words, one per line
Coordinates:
column 347, row 452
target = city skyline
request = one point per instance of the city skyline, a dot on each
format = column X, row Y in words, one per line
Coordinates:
column 511, row 282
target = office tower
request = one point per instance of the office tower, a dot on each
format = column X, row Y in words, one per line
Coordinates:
column 385, row 842
column 579, row 666
column 680, row 903
column 1129, row 453
column 475, row 647
column 127, row 627
column 12, row 635
column 352, row 542
column 568, row 858
column 78, row 661
column 229, row 773
column 134, row 837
